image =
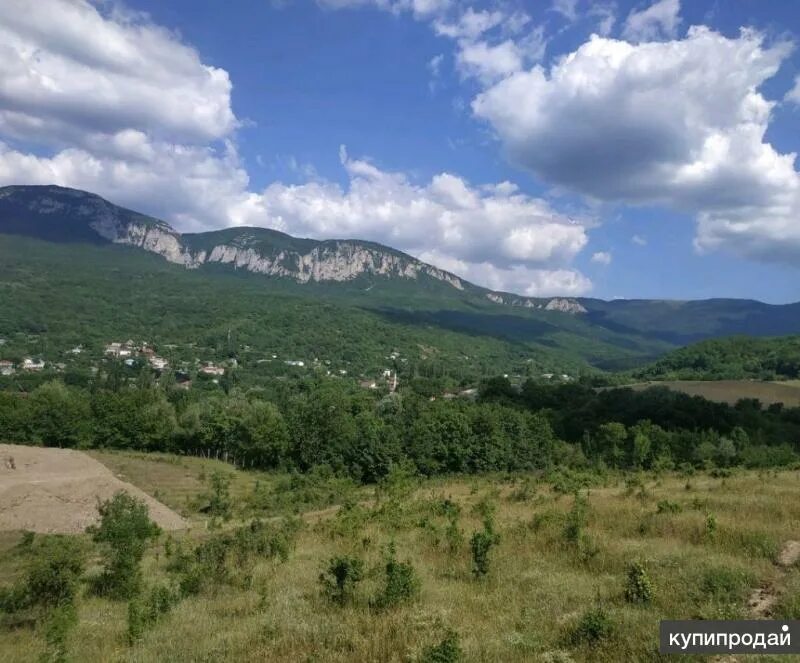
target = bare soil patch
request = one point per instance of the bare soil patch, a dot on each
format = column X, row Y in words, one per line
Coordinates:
column 763, row 599
column 57, row 491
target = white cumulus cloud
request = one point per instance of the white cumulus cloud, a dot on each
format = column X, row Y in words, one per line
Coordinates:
column 602, row 257
column 680, row 123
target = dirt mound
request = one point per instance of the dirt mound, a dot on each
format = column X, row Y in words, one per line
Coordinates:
column 57, row 490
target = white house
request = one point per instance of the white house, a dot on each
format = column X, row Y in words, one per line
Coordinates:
column 29, row 364
column 6, row 367
column 212, row 369
column 158, row 363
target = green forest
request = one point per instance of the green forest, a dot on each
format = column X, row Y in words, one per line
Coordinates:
column 333, row 426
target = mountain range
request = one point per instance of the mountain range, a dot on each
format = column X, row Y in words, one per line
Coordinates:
column 370, row 276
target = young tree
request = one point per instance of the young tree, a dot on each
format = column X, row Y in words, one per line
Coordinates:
column 125, row 530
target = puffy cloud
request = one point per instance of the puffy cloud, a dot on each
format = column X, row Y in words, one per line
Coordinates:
column 680, row 123
column 602, row 258
column 67, row 70
column 446, row 215
column 659, row 20
column 517, row 279
column 487, row 62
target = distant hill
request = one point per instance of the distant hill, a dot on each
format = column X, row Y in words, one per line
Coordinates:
column 730, row 359
column 59, row 244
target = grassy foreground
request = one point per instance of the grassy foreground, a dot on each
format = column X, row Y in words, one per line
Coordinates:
column 705, row 543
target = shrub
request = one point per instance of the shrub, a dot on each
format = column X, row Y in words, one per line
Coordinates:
column 50, row 585
column 638, row 588
column 265, row 540
column 454, row 536
column 447, row 651
column 667, row 506
column 144, row 612
column 711, row 524
column 58, row 626
column 481, row 545
column 724, row 584
column 124, row 531
column 219, row 497
column 577, row 519
column 593, row 626
column 51, row 578
column 401, row 583
column 340, row 579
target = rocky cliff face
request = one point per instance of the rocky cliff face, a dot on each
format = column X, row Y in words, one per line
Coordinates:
column 69, row 211
column 562, row 304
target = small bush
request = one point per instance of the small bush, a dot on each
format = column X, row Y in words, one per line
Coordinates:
column 667, row 506
column 340, row 579
column 447, row 651
column 401, row 583
column 481, row 545
column 593, row 626
column 265, row 540
column 51, row 579
column 711, row 524
column 219, row 496
column 57, row 628
column 723, row 585
column 638, row 588
column 50, row 586
column 453, row 535
column 577, row 519
column 144, row 612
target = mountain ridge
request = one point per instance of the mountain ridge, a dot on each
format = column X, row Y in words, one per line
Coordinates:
column 352, row 268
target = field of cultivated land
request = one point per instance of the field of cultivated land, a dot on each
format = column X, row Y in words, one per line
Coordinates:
column 730, row 391
column 567, row 579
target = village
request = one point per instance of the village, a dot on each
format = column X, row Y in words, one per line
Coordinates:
column 183, row 368
column 136, row 355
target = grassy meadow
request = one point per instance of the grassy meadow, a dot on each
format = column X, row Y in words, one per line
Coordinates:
column 555, row 588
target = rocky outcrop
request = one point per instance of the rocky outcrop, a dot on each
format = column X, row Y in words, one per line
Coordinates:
column 565, row 305
column 333, row 261
column 561, row 304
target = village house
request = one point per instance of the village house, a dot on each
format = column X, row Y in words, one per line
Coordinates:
column 294, row 362
column 368, row 384
column 78, row 349
column 6, row 367
column 120, row 350
column 212, row 369
column 29, row 364
column 158, row 363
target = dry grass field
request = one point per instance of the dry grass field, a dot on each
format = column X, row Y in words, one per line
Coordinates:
column 711, row 548
column 730, row 391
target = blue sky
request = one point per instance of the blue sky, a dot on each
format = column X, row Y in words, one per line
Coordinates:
column 607, row 149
